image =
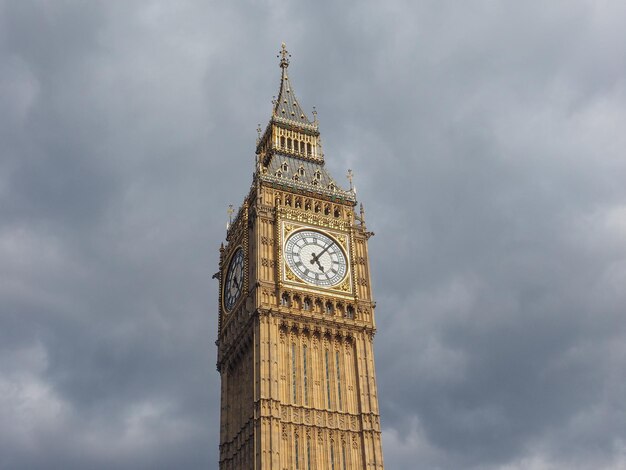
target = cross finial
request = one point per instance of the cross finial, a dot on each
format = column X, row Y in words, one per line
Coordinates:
column 284, row 56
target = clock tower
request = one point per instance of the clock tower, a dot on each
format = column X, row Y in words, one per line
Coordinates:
column 296, row 314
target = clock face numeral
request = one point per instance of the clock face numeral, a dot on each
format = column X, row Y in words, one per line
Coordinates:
column 234, row 280
column 315, row 258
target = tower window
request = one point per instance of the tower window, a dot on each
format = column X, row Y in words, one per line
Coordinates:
column 307, row 303
column 304, row 375
column 296, row 453
column 282, row 142
column 329, row 308
column 337, row 212
column 338, row 380
column 301, row 170
column 293, row 371
column 284, row 166
column 308, row 148
column 289, row 144
column 279, row 173
column 326, row 209
column 318, row 175
column 327, row 380
column 350, row 312
column 284, row 300
column 331, row 186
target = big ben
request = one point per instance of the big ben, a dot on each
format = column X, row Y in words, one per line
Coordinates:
column 296, row 313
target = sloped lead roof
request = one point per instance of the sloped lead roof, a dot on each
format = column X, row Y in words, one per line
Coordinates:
column 296, row 173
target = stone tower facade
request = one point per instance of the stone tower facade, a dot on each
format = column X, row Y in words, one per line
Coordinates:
column 296, row 314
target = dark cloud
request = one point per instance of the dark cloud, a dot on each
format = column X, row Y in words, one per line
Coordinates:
column 488, row 149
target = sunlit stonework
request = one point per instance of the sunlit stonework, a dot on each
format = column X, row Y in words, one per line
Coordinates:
column 296, row 315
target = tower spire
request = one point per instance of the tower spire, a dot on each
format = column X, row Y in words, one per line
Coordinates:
column 287, row 106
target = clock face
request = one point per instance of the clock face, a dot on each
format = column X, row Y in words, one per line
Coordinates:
column 234, row 280
column 316, row 258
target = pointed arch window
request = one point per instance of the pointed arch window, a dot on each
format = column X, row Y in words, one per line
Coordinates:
column 338, row 380
column 288, row 143
column 308, row 148
column 327, row 379
column 304, row 375
column 293, row 373
column 282, row 141
column 285, row 167
column 350, row 312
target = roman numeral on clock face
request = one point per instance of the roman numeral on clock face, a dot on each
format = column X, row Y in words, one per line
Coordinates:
column 316, row 257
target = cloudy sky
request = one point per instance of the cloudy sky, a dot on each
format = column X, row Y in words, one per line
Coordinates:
column 486, row 145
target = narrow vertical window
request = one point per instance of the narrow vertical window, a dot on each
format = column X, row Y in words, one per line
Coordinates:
column 308, row 454
column 338, row 380
column 304, row 375
column 327, row 380
column 296, row 453
column 293, row 371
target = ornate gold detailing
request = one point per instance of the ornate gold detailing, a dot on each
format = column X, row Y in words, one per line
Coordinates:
column 345, row 285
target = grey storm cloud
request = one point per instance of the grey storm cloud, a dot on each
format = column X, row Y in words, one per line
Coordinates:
column 488, row 147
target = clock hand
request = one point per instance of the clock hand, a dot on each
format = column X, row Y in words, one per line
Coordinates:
column 315, row 259
column 236, row 282
column 322, row 252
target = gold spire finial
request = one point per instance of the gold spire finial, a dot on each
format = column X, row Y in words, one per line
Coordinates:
column 284, row 56
column 350, row 175
column 230, row 211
